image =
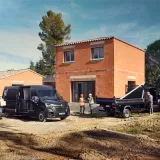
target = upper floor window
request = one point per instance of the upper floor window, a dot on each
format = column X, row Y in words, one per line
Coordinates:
column 69, row 56
column 98, row 53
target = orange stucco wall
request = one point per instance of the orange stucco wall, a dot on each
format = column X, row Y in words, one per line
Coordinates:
column 128, row 66
column 26, row 78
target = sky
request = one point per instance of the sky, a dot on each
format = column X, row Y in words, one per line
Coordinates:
column 134, row 21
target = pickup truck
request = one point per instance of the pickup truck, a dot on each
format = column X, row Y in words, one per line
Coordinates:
column 135, row 100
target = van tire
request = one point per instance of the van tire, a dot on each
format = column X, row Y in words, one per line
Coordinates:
column 62, row 118
column 126, row 113
column 41, row 117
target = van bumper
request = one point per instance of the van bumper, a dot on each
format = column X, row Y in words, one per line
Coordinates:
column 58, row 114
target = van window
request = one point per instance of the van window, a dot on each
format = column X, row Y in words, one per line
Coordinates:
column 49, row 94
column 33, row 93
column 11, row 94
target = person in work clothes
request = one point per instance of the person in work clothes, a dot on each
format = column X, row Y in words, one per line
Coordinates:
column 91, row 102
column 81, row 103
column 149, row 98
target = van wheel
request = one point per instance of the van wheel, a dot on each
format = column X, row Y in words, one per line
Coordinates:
column 41, row 117
column 62, row 118
column 126, row 113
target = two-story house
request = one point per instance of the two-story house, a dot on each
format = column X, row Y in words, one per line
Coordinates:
column 105, row 67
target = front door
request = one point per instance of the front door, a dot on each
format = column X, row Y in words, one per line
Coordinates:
column 84, row 88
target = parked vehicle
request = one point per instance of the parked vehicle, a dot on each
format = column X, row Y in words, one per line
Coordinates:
column 39, row 101
column 135, row 100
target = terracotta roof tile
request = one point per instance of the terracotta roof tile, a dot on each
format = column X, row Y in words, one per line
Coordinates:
column 83, row 41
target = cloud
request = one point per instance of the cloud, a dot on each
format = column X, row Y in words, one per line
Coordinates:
column 20, row 42
column 129, row 32
column 9, row 61
column 81, row 13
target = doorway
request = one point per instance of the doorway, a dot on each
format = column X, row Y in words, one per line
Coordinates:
column 83, row 87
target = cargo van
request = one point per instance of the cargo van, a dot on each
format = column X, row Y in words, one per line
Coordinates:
column 38, row 101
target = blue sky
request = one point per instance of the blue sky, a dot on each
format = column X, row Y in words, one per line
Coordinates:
column 134, row 21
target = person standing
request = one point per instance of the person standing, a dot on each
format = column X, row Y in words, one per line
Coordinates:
column 81, row 103
column 149, row 99
column 91, row 102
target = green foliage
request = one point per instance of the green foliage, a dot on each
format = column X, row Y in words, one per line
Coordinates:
column 32, row 66
column 153, row 64
column 54, row 31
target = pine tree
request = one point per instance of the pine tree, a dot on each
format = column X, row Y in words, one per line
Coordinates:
column 54, row 31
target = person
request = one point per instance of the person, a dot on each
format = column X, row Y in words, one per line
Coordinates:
column 91, row 102
column 149, row 99
column 81, row 103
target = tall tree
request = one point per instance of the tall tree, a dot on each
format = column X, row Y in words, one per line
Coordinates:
column 54, row 31
column 32, row 66
column 153, row 64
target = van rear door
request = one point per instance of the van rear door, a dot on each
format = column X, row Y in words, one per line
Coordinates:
column 10, row 96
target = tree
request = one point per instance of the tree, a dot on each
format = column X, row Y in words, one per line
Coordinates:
column 54, row 31
column 153, row 64
column 32, row 67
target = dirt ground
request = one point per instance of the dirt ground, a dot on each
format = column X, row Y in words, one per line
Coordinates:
column 80, row 137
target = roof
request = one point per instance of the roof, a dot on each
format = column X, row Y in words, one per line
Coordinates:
column 49, row 79
column 94, row 40
column 83, row 41
column 31, row 86
column 8, row 73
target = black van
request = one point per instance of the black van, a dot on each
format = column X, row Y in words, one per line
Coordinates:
column 38, row 101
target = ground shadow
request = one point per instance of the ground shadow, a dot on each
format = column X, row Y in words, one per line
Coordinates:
column 30, row 119
column 95, row 143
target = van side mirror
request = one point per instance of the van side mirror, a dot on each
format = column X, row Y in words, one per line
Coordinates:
column 35, row 99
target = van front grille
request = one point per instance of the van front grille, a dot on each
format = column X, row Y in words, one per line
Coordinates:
column 60, row 109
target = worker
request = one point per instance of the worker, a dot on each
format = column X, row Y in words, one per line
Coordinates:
column 149, row 99
column 91, row 102
column 81, row 103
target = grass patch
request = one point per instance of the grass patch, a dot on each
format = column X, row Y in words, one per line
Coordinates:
column 149, row 127
column 135, row 131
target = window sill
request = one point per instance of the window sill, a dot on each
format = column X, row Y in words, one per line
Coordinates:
column 98, row 59
column 69, row 62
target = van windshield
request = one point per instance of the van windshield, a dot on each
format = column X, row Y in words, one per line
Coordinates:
column 49, row 94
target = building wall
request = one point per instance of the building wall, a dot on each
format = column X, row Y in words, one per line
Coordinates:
column 129, row 65
column 103, row 69
column 25, row 78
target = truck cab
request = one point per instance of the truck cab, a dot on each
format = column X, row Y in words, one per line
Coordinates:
column 41, row 102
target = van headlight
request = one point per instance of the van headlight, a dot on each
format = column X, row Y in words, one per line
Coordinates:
column 50, row 106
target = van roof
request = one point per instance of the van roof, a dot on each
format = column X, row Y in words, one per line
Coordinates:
column 30, row 86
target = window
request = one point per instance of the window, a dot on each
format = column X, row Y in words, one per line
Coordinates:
column 33, row 93
column 11, row 94
column 98, row 53
column 131, row 85
column 69, row 56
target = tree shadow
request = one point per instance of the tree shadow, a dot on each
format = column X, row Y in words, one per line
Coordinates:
column 95, row 144
column 100, row 142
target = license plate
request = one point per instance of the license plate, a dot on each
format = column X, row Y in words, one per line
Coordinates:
column 61, row 113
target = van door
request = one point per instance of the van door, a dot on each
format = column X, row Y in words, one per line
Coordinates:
column 33, row 106
column 23, row 100
column 10, row 95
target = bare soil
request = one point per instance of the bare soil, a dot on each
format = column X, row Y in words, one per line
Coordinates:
column 84, row 137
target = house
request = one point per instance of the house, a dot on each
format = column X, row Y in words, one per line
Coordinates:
column 19, row 77
column 105, row 67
